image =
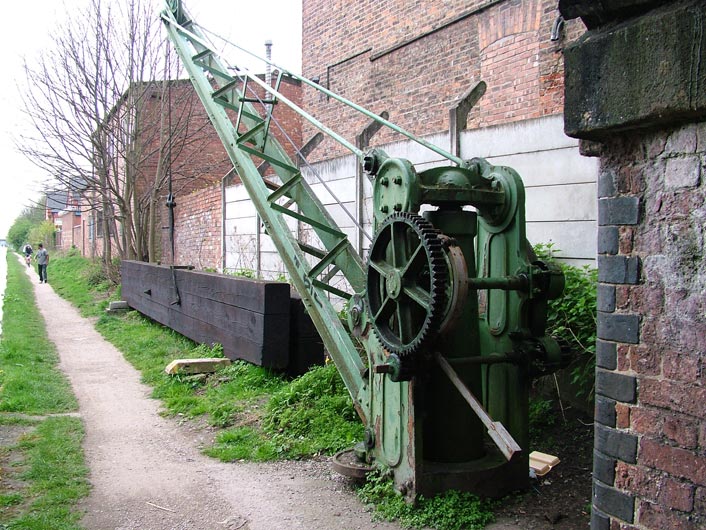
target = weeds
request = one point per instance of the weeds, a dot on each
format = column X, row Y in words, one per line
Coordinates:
column 542, row 416
column 451, row 510
column 314, row 414
column 572, row 318
column 311, row 415
column 83, row 282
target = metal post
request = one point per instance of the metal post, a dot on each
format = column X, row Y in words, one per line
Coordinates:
column 362, row 141
column 458, row 115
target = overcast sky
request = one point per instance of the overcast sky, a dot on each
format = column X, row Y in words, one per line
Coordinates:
column 25, row 34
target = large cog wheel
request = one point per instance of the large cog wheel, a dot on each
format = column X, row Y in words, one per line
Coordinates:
column 406, row 283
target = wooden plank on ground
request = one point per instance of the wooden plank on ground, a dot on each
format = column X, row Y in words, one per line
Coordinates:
column 204, row 365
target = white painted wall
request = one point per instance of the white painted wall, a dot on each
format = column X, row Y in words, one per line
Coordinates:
column 560, row 191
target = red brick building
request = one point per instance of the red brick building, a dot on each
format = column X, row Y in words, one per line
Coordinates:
column 140, row 173
column 415, row 58
column 203, row 228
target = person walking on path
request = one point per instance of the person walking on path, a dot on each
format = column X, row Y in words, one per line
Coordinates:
column 42, row 262
column 28, row 254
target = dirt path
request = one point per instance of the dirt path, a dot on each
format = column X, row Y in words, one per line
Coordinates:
column 147, row 472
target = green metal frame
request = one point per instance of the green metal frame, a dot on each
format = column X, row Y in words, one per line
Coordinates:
column 416, row 422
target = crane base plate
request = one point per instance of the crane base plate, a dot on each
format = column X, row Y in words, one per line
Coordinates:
column 348, row 464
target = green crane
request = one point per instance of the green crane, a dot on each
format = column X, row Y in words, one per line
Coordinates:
column 446, row 316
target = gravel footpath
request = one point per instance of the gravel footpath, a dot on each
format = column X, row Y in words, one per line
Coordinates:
column 146, row 471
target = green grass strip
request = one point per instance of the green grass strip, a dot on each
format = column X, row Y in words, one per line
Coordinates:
column 265, row 416
column 451, row 510
column 81, row 281
column 55, row 475
column 29, row 380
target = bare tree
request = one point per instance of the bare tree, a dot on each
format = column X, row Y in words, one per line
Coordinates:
column 97, row 101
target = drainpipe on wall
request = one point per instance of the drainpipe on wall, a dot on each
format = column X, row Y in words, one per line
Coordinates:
column 268, row 65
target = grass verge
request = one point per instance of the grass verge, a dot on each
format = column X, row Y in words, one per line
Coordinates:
column 42, row 472
column 49, row 465
column 29, row 380
column 260, row 415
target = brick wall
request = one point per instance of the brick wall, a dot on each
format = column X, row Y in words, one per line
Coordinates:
column 198, row 213
column 414, row 58
column 650, row 443
column 650, row 460
column 197, row 230
column 70, row 231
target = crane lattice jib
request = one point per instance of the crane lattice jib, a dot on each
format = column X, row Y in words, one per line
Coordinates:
column 450, row 306
column 247, row 135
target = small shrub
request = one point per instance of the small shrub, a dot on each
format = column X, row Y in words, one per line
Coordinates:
column 541, row 417
column 96, row 275
column 245, row 273
column 572, row 318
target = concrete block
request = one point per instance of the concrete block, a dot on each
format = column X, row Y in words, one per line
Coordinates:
column 603, row 468
column 606, row 355
column 117, row 306
column 619, row 269
column 608, row 240
column 617, row 444
column 647, row 71
column 605, row 411
column 618, row 211
column 599, row 520
column 614, row 502
column 606, row 184
column 606, row 297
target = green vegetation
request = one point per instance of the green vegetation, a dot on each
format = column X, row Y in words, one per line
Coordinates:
column 82, row 282
column 542, row 417
column 451, row 510
column 572, row 318
column 23, row 228
column 55, row 474
column 44, row 233
column 40, row 458
column 26, row 349
column 311, row 415
column 263, row 415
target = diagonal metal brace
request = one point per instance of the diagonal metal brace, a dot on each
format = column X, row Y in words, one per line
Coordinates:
column 458, row 115
column 496, row 430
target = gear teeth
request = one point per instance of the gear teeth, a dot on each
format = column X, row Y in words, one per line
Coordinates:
column 431, row 239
